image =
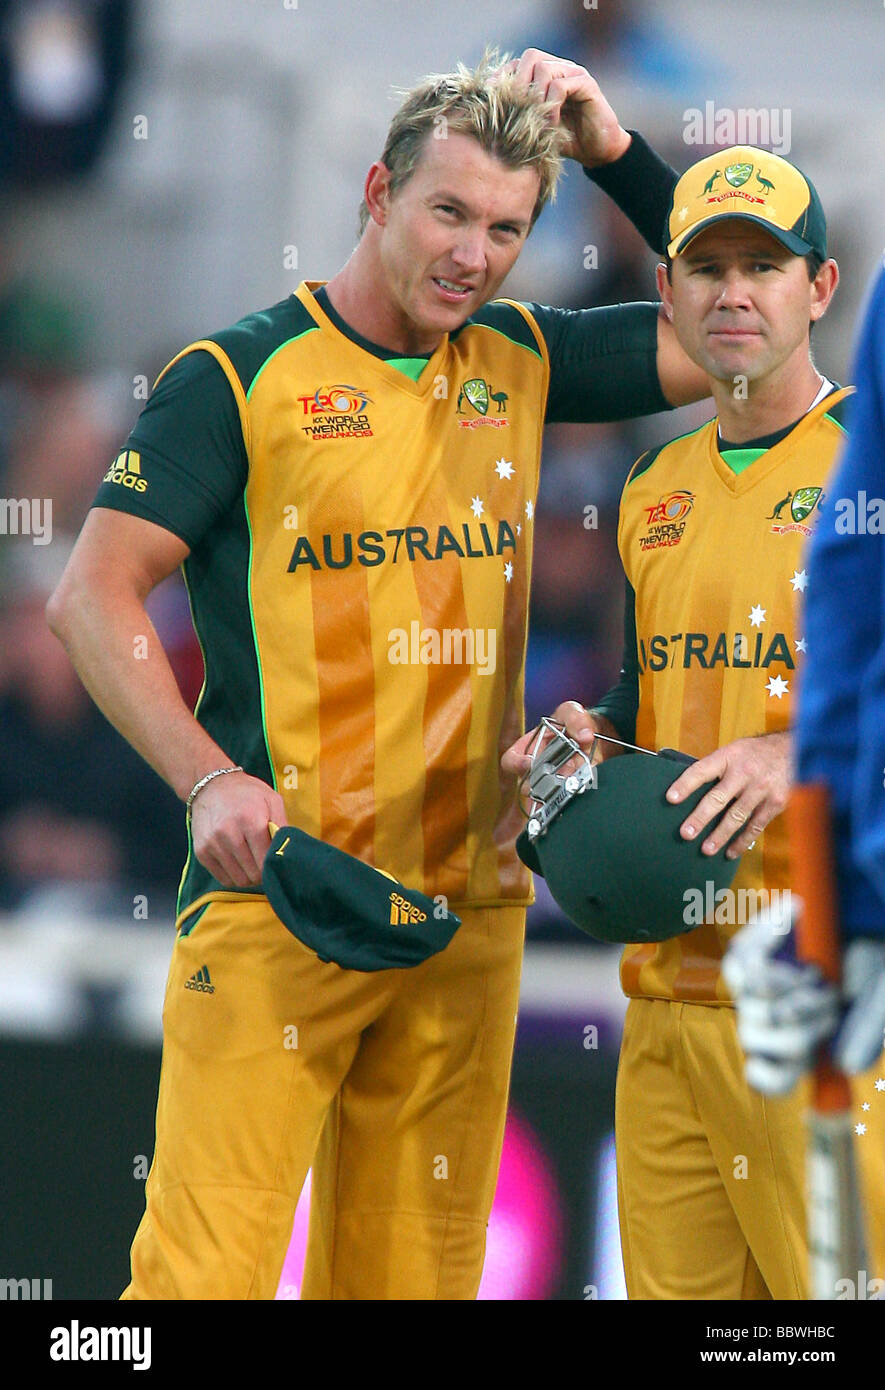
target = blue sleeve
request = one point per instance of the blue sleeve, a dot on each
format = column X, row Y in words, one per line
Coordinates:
column 841, row 722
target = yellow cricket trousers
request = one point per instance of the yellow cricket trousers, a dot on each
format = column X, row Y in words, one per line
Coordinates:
column 711, row 1175
column 392, row 1085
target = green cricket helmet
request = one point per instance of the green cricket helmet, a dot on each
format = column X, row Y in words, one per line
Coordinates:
column 606, row 839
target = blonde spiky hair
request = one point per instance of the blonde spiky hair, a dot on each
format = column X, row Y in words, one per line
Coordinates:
column 509, row 121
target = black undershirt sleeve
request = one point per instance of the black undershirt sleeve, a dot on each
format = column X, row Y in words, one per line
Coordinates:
column 641, row 183
column 603, row 362
column 621, row 703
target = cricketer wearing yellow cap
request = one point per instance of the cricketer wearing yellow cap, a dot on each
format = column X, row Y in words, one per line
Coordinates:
column 349, row 479
column 712, row 532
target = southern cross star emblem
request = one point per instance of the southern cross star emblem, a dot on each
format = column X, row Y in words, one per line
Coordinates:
column 504, row 468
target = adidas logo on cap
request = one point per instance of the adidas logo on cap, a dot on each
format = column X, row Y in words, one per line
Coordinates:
column 201, row 981
column 403, row 913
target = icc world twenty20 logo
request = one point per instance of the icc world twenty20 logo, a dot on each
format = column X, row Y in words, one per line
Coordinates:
column 665, row 520
column 672, row 508
column 337, row 400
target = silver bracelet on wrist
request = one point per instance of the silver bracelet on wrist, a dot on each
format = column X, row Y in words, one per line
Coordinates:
column 195, row 790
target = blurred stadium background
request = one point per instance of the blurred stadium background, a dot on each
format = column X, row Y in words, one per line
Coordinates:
column 166, row 167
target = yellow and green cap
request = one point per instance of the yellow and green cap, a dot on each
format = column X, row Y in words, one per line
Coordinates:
column 755, row 186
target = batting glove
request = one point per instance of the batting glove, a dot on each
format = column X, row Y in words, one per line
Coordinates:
column 861, row 1036
column 785, row 1007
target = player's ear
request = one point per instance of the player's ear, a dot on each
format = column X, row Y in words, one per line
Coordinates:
column 377, row 192
column 665, row 289
column 823, row 287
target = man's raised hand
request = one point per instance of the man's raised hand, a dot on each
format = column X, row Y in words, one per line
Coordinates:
column 578, row 105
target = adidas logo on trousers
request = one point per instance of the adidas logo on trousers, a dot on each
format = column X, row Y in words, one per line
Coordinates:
column 201, row 981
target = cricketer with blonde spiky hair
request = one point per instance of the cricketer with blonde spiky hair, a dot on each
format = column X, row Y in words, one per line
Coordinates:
column 395, row 413
column 509, row 120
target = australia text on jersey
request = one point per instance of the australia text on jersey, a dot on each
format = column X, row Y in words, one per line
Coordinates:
column 686, row 649
column 374, row 547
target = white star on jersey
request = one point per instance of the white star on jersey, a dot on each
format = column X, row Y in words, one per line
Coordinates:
column 860, row 1129
column 801, row 644
column 519, row 528
column 799, row 581
column 504, row 469
column 530, row 509
column 880, row 1083
column 776, row 685
column 508, row 570
column 757, row 616
column 476, row 506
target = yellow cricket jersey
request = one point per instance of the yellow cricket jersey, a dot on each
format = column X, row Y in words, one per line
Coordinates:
column 360, row 565
column 715, row 558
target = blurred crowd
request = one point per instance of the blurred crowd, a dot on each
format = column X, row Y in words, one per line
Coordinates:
column 79, row 810
column 77, row 805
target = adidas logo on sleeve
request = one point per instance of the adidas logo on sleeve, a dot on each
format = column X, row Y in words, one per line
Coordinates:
column 126, row 471
column 201, row 981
